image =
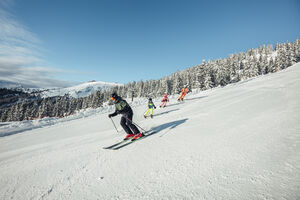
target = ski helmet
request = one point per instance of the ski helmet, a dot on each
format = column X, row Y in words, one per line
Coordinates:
column 114, row 95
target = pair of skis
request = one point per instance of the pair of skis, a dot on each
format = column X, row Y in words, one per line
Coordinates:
column 125, row 143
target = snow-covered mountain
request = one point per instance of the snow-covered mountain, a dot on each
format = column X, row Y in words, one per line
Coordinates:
column 235, row 142
column 81, row 90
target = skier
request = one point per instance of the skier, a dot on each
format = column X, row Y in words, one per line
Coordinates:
column 122, row 107
column 184, row 91
column 151, row 106
column 132, row 95
column 164, row 101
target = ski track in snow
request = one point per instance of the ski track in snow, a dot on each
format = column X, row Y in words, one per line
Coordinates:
column 236, row 142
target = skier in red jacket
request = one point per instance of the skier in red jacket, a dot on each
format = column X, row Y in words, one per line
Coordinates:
column 164, row 101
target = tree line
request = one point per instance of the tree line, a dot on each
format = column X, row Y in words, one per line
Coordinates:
column 207, row 75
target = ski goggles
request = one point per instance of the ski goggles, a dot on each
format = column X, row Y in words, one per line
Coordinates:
column 112, row 98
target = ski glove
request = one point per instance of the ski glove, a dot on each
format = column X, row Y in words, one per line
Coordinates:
column 113, row 114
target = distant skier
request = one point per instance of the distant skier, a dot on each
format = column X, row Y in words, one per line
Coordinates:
column 184, row 91
column 151, row 106
column 122, row 107
column 132, row 95
column 164, row 101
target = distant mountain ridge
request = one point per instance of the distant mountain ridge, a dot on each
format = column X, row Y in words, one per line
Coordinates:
column 77, row 91
column 81, row 90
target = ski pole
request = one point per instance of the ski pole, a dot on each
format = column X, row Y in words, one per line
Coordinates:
column 114, row 124
column 136, row 124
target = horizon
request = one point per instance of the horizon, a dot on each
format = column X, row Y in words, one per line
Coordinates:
column 133, row 40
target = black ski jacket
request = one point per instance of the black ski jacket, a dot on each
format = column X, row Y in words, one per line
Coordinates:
column 122, row 107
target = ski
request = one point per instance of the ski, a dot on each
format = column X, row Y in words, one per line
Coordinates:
column 116, row 144
column 124, row 143
column 132, row 141
column 128, row 143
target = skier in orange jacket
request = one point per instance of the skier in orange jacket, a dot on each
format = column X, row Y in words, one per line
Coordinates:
column 184, row 91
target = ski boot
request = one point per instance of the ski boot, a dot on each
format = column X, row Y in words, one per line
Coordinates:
column 128, row 136
column 137, row 136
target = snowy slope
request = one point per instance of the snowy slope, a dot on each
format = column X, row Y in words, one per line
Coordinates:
column 81, row 90
column 236, row 142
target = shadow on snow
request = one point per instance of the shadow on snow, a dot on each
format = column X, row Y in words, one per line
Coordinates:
column 166, row 112
column 194, row 98
column 169, row 125
column 155, row 130
column 188, row 99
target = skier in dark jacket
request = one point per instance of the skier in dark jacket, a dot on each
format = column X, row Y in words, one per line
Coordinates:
column 122, row 107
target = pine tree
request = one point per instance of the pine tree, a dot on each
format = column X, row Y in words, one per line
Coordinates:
column 177, row 84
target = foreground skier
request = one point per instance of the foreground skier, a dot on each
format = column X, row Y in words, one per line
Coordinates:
column 122, row 107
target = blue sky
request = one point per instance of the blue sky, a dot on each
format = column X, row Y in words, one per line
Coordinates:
column 69, row 41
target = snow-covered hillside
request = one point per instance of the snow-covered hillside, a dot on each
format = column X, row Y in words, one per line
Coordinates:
column 81, row 90
column 236, row 142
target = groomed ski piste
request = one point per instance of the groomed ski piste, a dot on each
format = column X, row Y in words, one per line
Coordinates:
column 241, row 141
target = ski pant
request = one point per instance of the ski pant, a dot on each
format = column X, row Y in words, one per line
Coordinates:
column 128, row 126
column 149, row 110
column 164, row 103
column 181, row 96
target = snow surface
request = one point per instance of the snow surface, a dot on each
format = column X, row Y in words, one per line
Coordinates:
column 241, row 141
